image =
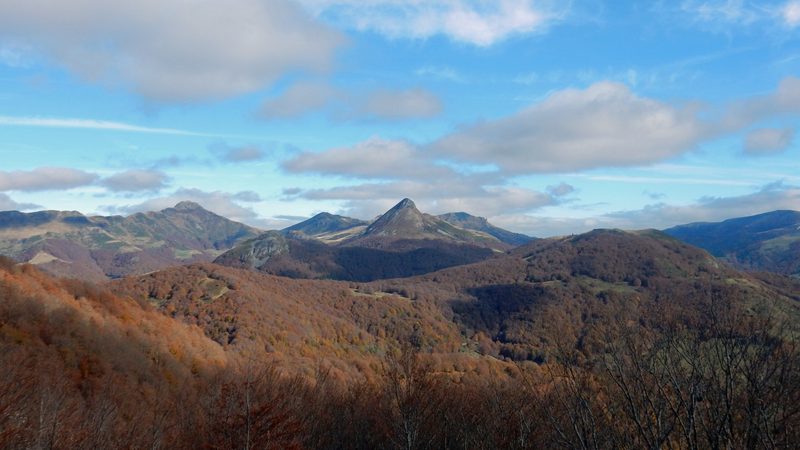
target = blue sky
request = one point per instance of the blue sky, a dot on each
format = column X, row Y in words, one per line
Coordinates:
column 547, row 117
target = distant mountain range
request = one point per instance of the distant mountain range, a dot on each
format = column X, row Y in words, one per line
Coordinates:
column 769, row 241
column 402, row 242
column 405, row 222
column 73, row 245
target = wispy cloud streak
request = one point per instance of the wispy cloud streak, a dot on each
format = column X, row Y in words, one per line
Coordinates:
column 90, row 124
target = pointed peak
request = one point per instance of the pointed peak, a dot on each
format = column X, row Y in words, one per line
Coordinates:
column 187, row 206
column 406, row 207
column 405, row 203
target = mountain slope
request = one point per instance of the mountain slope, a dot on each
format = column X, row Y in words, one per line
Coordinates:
column 279, row 254
column 74, row 245
column 327, row 227
column 559, row 289
column 519, row 305
column 769, row 241
column 404, row 222
column 474, row 223
column 83, row 365
column 401, row 243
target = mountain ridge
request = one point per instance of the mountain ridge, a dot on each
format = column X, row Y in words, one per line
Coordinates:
column 405, row 221
column 769, row 241
column 477, row 223
column 98, row 247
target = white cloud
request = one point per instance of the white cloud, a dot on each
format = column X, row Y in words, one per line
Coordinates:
column 247, row 196
column 440, row 73
column 606, row 125
column 399, row 105
column 719, row 15
column 435, row 196
column 785, row 101
column 476, row 22
column 731, row 11
column 173, row 50
column 8, row 204
column 88, row 124
column 136, row 180
column 373, row 158
column 603, row 125
column 44, row 179
column 768, row 140
column 14, row 55
column 381, row 104
column 231, row 154
column 299, row 100
column 791, row 13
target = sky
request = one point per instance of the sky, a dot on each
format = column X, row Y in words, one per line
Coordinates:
column 547, row 117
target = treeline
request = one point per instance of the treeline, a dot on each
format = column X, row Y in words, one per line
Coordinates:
column 721, row 374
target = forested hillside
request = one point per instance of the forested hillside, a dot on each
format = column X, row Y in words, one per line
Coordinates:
column 607, row 340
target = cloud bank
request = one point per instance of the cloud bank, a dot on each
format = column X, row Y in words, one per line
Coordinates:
column 174, row 50
column 136, row 180
column 604, row 125
column 45, row 179
column 768, row 140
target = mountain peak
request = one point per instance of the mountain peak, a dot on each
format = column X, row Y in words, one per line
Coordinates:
column 187, row 206
column 403, row 218
column 405, row 203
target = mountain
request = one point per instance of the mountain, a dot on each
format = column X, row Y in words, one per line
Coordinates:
column 403, row 242
column 329, row 228
column 557, row 289
column 324, row 223
column 286, row 255
column 508, row 306
column 474, row 223
column 769, row 241
column 70, row 244
column 404, row 222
